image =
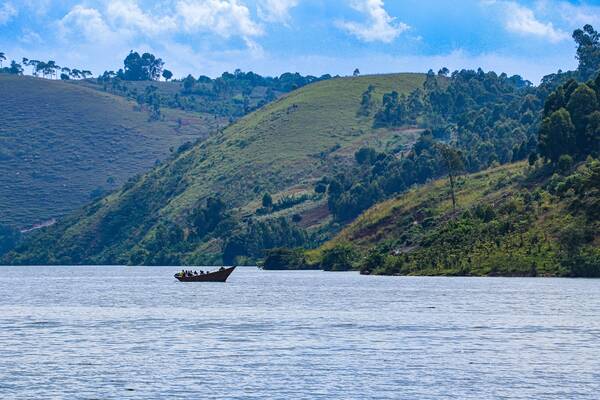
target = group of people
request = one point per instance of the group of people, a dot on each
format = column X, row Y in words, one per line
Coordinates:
column 187, row 273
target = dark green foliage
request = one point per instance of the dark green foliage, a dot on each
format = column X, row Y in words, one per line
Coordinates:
column 283, row 258
column 320, row 188
column 366, row 102
column 258, row 236
column 571, row 123
column 366, row 155
column 141, row 68
column 565, row 162
column 490, row 119
column 267, row 201
column 353, row 192
column 588, row 51
column 9, row 237
column 557, row 135
column 338, row 258
column 167, row 74
column 14, row 69
column 206, row 219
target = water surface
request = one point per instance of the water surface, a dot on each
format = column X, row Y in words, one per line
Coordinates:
column 137, row 333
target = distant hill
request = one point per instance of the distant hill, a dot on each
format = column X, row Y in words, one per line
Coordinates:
column 62, row 143
column 512, row 220
column 282, row 149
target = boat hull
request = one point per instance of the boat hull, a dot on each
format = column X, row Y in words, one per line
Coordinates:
column 217, row 276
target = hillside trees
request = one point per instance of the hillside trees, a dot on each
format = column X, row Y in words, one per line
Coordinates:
column 142, row 68
column 588, row 51
column 571, row 121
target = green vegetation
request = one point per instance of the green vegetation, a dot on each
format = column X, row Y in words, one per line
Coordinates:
column 571, row 125
column 285, row 259
column 513, row 220
column 62, row 143
column 282, row 149
column 486, row 119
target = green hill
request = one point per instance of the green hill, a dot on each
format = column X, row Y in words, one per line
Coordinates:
column 163, row 216
column 62, row 143
column 512, row 220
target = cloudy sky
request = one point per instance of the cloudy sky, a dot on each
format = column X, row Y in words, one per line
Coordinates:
column 531, row 38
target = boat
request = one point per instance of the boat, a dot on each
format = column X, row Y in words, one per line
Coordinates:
column 220, row 275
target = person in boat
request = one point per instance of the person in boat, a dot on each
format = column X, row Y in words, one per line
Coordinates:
column 222, row 269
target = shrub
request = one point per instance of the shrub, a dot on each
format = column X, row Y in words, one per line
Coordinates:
column 338, row 258
column 565, row 163
column 283, row 258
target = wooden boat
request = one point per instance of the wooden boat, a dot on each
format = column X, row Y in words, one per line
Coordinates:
column 220, row 275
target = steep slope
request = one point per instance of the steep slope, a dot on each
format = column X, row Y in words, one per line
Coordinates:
column 282, row 148
column 61, row 143
column 511, row 220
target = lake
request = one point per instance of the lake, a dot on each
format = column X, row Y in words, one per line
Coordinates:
column 137, row 333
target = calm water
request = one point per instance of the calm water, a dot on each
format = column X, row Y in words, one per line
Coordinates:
column 136, row 333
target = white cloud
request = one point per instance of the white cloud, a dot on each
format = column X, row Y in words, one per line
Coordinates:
column 276, row 10
column 86, row 22
column 523, row 21
column 380, row 26
column 7, row 12
column 30, row 37
column 225, row 18
column 578, row 15
column 127, row 14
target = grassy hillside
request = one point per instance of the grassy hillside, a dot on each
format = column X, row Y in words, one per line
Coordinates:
column 61, row 143
column 281, row 149
column 511, row 220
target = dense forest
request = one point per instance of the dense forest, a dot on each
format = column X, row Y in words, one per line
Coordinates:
column 485, row 118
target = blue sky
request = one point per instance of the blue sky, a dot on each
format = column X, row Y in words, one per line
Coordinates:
column 531, row 38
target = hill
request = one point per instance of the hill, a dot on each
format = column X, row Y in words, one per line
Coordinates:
column 62, row 143
column 513, row 220
column 189, row 209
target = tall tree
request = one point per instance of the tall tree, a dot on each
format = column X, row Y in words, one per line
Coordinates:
column 2, row 58
column 142, row 68
column 556, row 136
column 454, row 164
column 588, row 51
column 167, row 75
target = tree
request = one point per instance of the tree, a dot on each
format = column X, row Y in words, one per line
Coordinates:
column 588, row 51
column 533, row 157
column 9, row 237
column 443, row 72
column 582, row 102
column 75, row 73
column 167, row 75
column 15, row 68
column 142, row 68
column 365, row 155
column 85, row 74
column 267, row 201
column 557, row 135
column 2, row 58
column 188, row 84
column 454, row 164
column 34, row 66
column 356, row 72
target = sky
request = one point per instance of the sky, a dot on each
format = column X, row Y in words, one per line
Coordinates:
column 270, row 37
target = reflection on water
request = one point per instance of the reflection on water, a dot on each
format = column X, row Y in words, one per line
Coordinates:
column 108, row 332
